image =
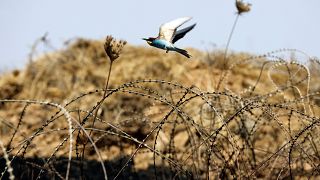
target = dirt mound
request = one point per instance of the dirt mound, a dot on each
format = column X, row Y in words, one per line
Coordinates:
column 164, row 115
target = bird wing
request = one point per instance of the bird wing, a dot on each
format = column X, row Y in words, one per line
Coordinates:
column 181, row 33
column 168, row 30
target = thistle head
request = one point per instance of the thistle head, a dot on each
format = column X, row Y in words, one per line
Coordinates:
column 113, row 47
column 242, row 7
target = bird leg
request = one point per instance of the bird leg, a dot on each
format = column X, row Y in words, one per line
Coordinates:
column 167, row 50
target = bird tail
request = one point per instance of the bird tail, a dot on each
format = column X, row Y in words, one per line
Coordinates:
column 183, row 52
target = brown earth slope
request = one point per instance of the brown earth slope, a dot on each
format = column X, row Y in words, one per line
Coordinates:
column 164, row 115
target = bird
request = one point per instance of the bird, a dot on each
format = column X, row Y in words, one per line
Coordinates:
column 168, row 35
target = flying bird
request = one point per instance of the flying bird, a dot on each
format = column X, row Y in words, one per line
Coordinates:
column 168, row 35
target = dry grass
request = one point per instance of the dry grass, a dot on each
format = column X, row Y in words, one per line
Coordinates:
column 161, row 115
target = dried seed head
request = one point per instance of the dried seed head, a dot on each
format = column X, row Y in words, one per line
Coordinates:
column 113, row 47
column 242, row 7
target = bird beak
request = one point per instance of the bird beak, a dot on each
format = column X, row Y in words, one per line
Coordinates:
column 148, row 41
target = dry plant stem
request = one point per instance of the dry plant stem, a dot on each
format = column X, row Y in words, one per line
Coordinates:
column 112, row 49
column 225, row 60
column 98, row 107
column 35, row 45
column 103, row 97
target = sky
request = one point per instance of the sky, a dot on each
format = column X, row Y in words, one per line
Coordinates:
column 271, row 24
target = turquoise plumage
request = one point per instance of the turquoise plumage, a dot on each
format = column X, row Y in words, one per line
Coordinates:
column 168, row 35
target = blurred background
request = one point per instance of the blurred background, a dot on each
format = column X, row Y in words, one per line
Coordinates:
column 271, row 24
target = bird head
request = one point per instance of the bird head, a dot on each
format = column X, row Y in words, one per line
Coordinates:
column 149, row 40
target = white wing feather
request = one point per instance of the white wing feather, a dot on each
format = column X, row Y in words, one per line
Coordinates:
column 167, row 30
